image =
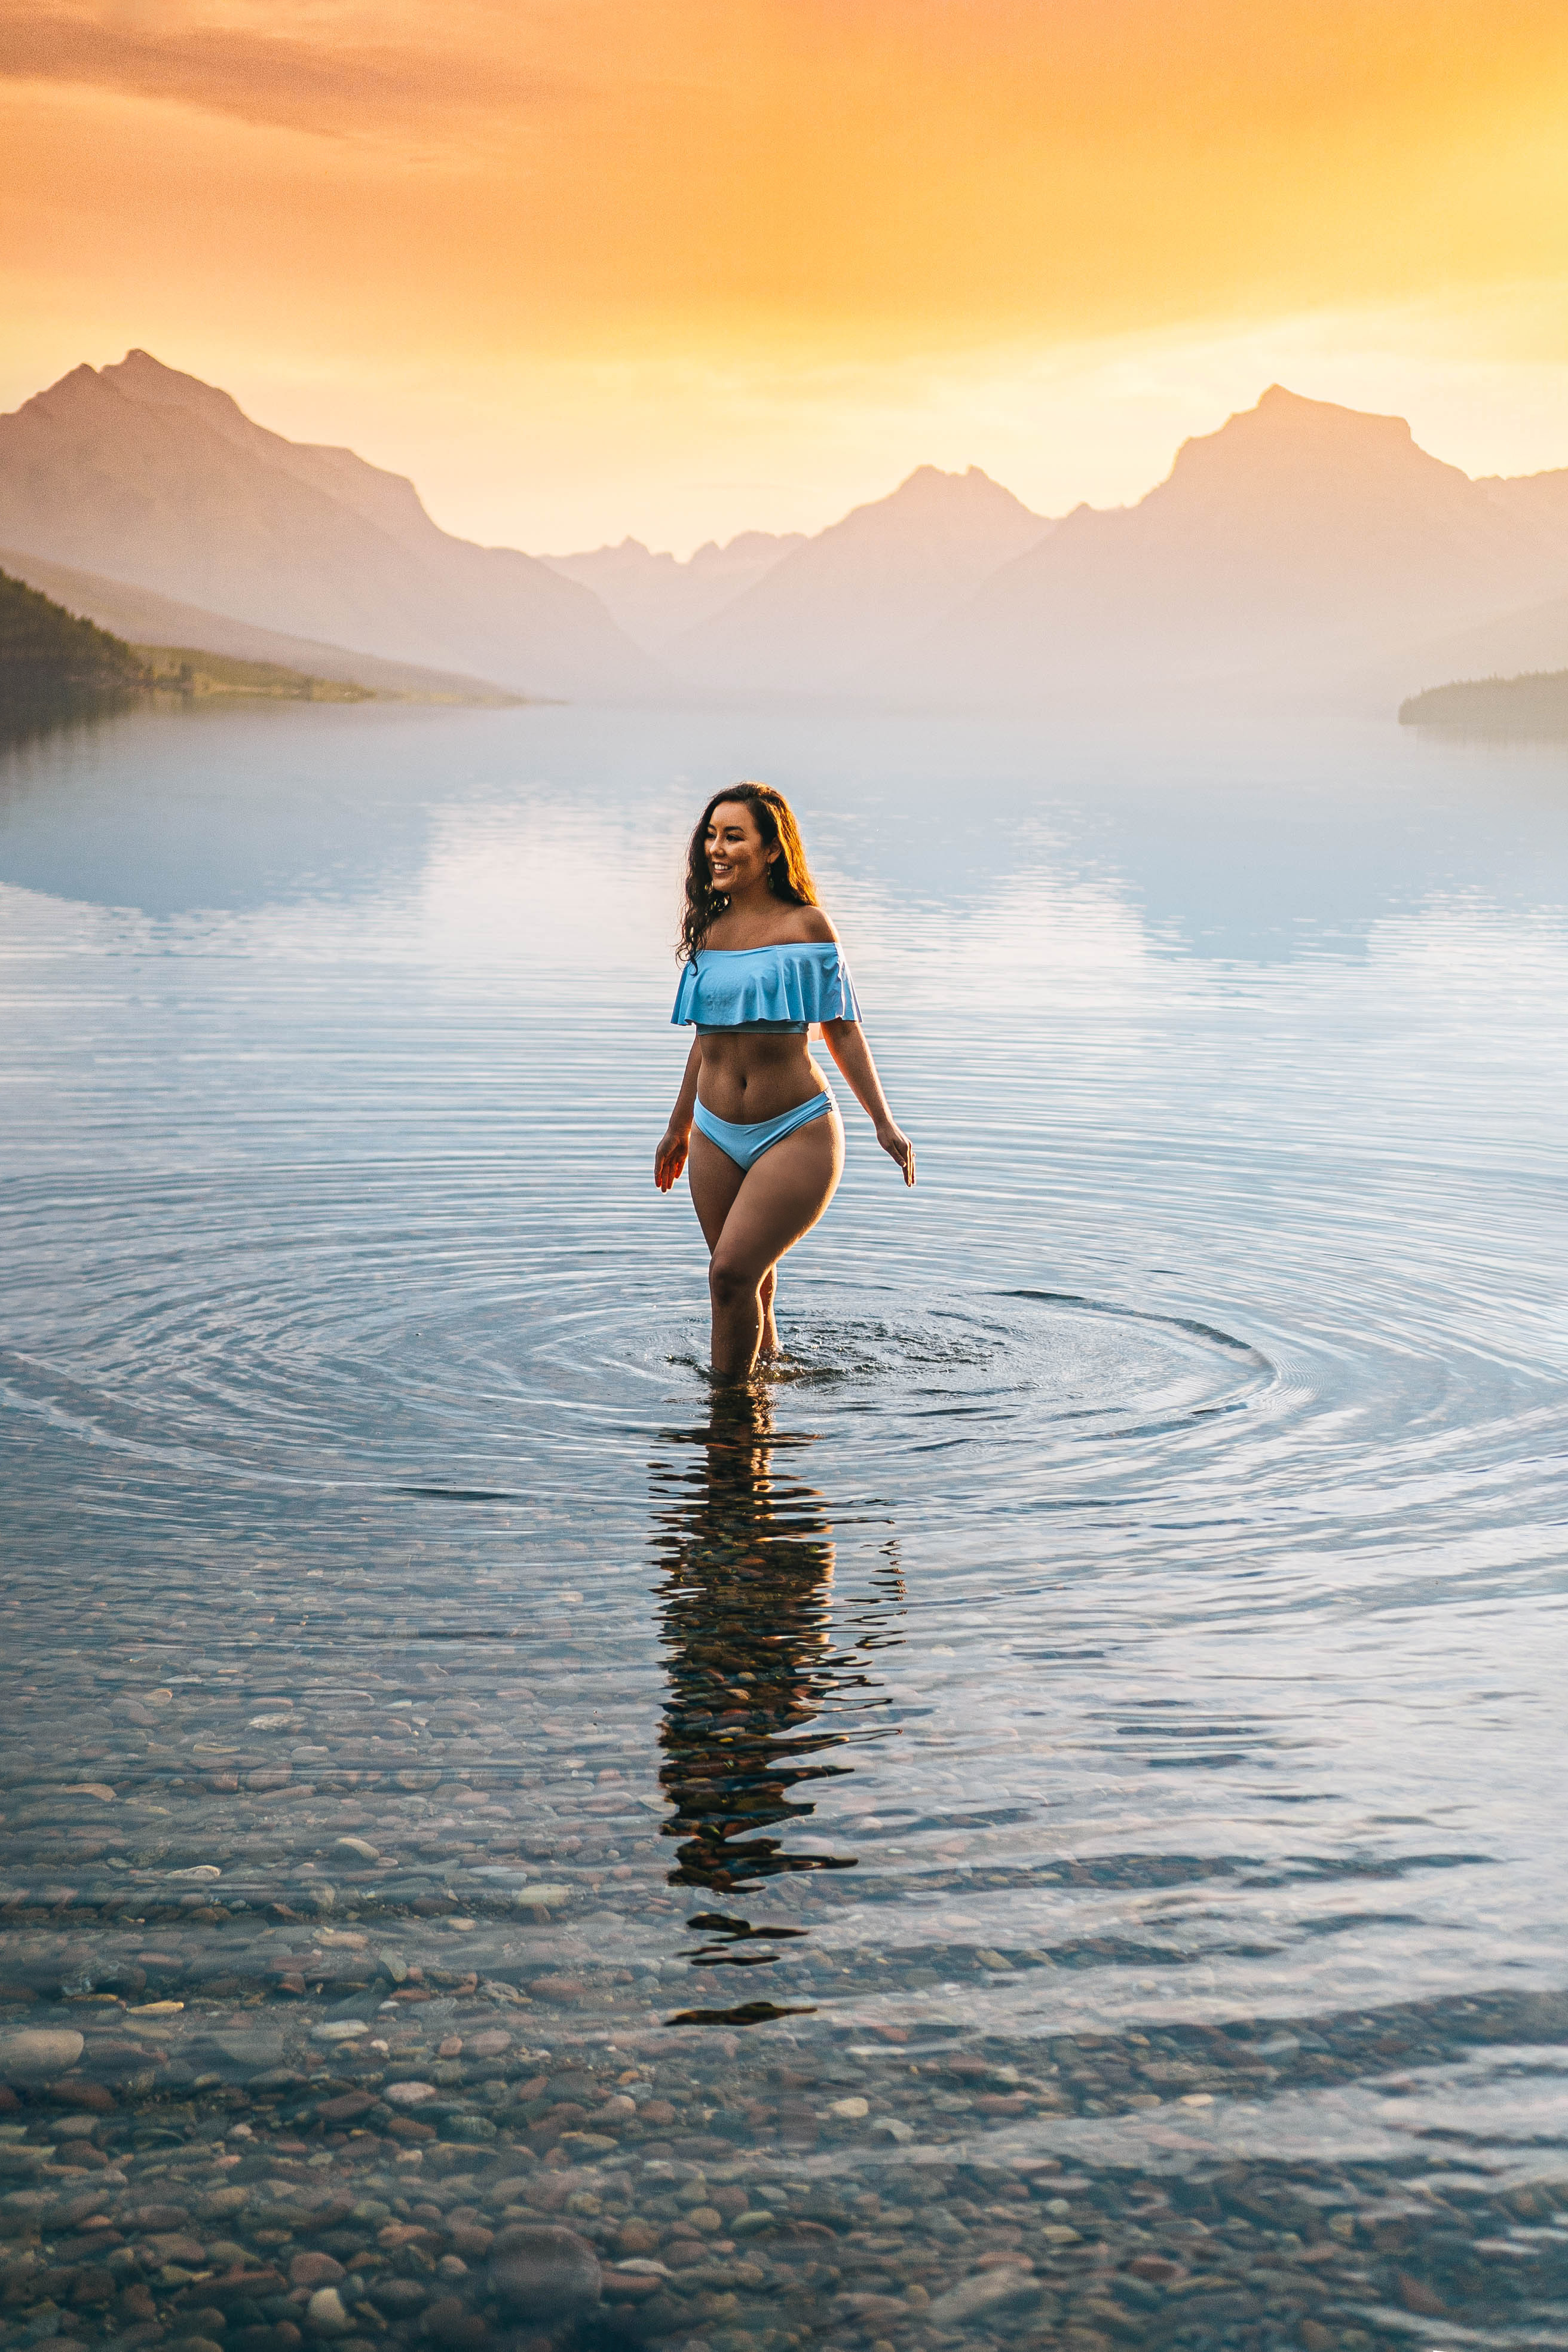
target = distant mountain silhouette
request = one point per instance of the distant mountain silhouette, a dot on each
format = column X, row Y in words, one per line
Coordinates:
column 154, row 477
column 1526, row 638
column 653, row 598
column 145, row 618
column 1297, row 543
column 862, row 588
column 1542, row 498
column 1533, row 638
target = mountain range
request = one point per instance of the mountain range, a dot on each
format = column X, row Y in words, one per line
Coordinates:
column 657, row 598
column 828, row 614
column 1301, row 542
column 1301, row 545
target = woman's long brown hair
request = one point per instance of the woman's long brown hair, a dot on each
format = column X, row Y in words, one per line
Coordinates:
column 789, row 876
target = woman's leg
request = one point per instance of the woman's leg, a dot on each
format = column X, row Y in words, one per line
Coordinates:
column 780, row 1198
column 715, row 1181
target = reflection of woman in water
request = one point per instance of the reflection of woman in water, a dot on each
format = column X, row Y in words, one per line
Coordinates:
column 761, row 966
column 749, row 1568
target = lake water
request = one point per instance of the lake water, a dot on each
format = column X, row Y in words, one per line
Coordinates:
column 1043, row 1830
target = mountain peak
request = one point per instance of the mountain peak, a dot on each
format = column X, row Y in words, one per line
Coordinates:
column 1281, row 407
column 142, row 377
column 933, row 475
column 929, row 488
column 72, row 394
column 1288, row 437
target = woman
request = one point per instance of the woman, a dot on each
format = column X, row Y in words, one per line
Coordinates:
column 761, row 965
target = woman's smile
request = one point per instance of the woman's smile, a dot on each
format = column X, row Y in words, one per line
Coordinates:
column 736, row 853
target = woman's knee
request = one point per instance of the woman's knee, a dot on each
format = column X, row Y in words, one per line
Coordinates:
column 729, row 1281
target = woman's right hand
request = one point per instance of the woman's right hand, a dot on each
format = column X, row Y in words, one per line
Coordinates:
column 670, row 1158
column 898, row 1147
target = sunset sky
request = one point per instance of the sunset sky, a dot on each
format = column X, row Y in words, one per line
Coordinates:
column 687, row 266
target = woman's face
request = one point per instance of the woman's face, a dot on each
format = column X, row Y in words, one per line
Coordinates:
column 736, row 857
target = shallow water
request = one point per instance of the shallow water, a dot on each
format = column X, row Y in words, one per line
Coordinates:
column 1046, row 1822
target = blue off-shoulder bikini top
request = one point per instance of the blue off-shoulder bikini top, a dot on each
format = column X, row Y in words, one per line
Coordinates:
column 777, row 991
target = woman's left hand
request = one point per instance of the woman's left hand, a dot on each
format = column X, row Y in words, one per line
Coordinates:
column 896, row 1145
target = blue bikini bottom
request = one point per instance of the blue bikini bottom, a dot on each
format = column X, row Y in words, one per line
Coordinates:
column 746, row 1145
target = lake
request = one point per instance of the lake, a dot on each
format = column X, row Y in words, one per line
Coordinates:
column 1044, row 1828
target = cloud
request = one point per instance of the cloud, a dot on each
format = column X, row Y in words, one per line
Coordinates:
column 335, row 83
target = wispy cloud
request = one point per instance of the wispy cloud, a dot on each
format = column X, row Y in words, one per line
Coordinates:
column 333, row 82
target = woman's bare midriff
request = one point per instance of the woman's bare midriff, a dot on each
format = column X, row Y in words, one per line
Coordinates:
column 750, row 1077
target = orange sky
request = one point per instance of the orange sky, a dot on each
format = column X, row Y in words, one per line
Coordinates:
column 583, row 267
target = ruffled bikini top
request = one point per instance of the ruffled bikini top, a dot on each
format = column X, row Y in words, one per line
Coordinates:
column 777, row 990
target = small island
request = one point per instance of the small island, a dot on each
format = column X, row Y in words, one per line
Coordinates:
column 1534, row 705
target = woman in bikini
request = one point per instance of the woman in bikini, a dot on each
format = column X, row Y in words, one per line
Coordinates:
column 760, row 966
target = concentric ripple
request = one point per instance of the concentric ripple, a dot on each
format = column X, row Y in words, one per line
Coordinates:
column 290, row 1348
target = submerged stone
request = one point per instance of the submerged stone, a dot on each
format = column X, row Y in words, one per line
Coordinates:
column 325, row 2315
column 544, row 2272
column 986, row 2291
column 37, row 2053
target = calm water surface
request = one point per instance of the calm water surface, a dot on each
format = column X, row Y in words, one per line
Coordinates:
column 1043, row 1829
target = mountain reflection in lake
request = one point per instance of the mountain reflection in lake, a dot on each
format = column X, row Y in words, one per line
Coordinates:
column 1041, row 1828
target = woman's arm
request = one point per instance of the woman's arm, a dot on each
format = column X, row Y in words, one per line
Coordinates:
column 846, row 1041
column 670, row 1157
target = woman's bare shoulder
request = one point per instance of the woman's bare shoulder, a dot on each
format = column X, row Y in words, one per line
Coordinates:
column 788, row 926
column 813, row 924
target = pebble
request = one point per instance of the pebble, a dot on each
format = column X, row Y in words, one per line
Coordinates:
column 325, row 2315
column 986, row 2290
column 37, row 2053
column 545, row 2273
column 315, row 2270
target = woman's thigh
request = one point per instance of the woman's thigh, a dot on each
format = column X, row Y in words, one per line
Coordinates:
column 781, row 1197
column 715, row 1181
